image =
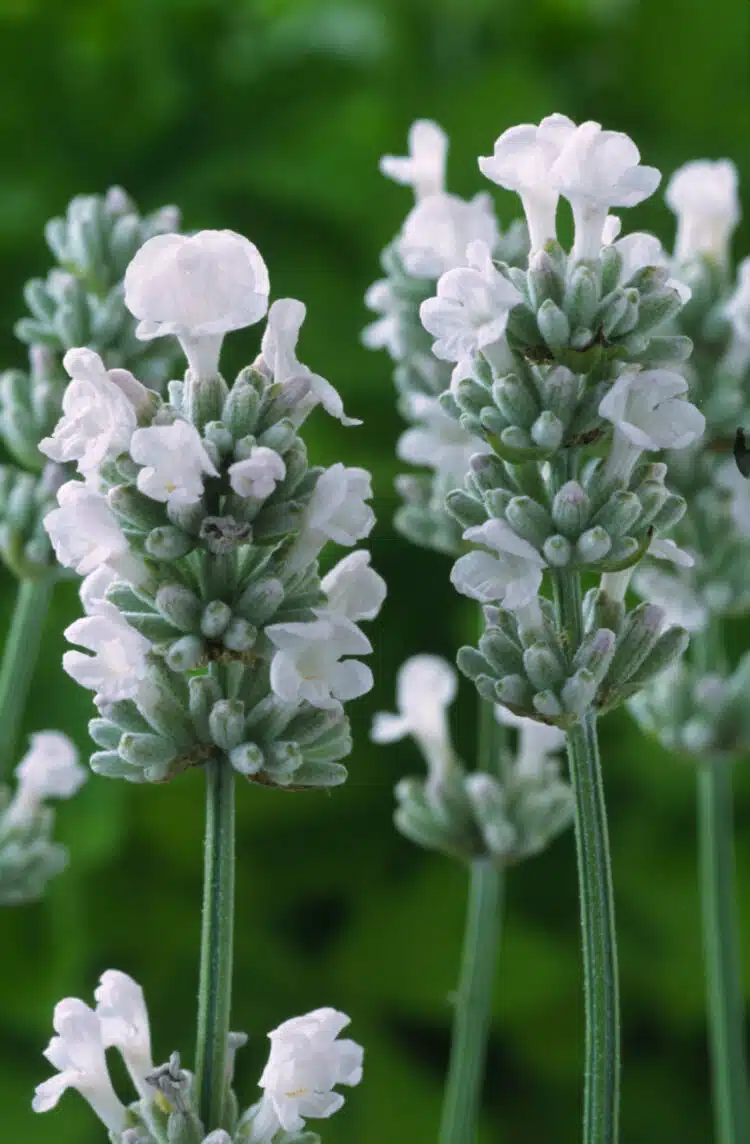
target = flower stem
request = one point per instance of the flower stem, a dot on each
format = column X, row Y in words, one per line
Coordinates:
column 215, row 987
column 602, row 1071
column 726, row 1007
column 473, row 1001
column 473, row 1006
column 20, row 654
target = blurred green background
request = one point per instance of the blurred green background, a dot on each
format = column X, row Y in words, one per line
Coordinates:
column 269, row 117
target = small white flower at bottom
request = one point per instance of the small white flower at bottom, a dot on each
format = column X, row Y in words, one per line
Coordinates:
column 175, row 462
column 425, row 688
column 78, row 1053
column 123, row 1016
column 308, row 663
column 305, row 1064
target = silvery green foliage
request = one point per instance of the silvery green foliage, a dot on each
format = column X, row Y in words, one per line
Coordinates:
column 80, row 303
column 502, row 817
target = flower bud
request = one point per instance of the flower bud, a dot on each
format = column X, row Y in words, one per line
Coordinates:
column 547, row 704
column 593, row 545
column 529, row 520
column 227, row 723
column 168, row 543
column 186, row 654
column 240, row 635
column 557, row 551
column 553, row 325
column 515, row 401
column 547, row 431
column 571, row 509
column 581, row 297
column 180, row 606
column 543, row 667
column 215, row 618
column 579, row 692
column 247, row 758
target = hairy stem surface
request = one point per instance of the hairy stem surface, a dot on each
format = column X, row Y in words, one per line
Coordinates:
column 215, row 987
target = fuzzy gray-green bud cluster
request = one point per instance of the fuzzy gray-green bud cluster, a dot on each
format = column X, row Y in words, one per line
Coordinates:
column 480, row 816
column 536, row 673
column 29, row 859
column 80, row 303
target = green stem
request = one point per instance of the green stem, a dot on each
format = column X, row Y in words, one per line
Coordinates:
column 473, row 1006
column 215, row 987
column 726, row 1005
column 602, row 1070
column 20, row 654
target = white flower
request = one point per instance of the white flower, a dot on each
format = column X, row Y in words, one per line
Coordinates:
column 667, row 550
column 98, row 417
column 353, row 588
column 470, row 312
column 175, row 462
column 306, row 1062
column 258, row 475
column 119, row 663
column 649, row 412
column 78, row 1053
column 439, row 442
column 85, row 534
column 536, row 741
column 197, row 288
column 704, row 196
column 49, row 769
column 638, row 250
column 737, row 308
column 596, row 170
column 386, row 333
column 425, row 688
column 512, row 576
column 93, row 590
column 438, row 230
column 424, row 167
column 279, row 352
column 522, row 161
column 308, row 663
column 123, row 1017
column 336, row 511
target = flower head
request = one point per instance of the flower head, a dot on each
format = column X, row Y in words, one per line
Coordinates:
column 704, row 196
column 596, row 170
column 84, row 531
column 123, row 1018
column 197, row 288
column 279, row 352
column 425, row 688
column 308, row 663
column 119, row 663
column 522, row 161
column 49, row 769
column 99, row 416
column 438, row 230
column 438, row 440
column 647, row 407
column 424, row 167
column 175, row 461
column 470, row 312
column 258, row 475
column 510, row 574
column 305, row 1064
column 353, row 588
column 78, row 1053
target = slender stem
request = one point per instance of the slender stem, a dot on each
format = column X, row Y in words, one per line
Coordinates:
column 726, row 1004
column 473, row 1005
column 20, row 653
column 215, row 987
column 602, row 1072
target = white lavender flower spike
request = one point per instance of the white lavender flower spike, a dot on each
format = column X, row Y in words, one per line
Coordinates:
column 353, row 588
column 704, row 196
column 426, row 686
column 123, row 1017
column 49, row 769
column 423, row 168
